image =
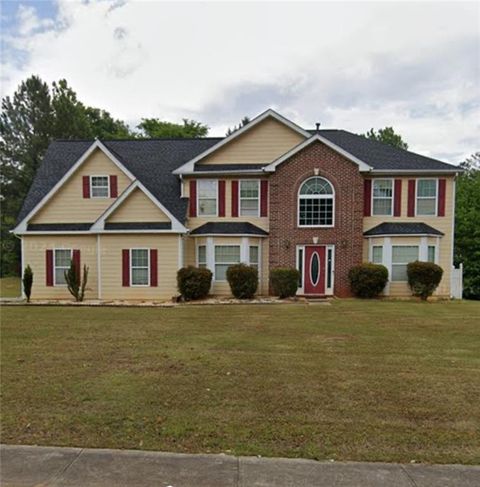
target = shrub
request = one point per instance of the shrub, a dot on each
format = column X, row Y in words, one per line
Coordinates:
column 76, row 283
column 27, row 282
column 243, row 281
column 194, row 282
column 284, row 281
column 368, row 280
column 423, row 278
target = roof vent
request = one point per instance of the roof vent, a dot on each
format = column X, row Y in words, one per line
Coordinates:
column 317, row 125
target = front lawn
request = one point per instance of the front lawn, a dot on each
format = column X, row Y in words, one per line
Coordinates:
column 10, row 287
column 357, row 380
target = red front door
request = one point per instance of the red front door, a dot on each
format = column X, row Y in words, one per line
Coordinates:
column 314, row 266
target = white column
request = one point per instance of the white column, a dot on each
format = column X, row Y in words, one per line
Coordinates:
column 181, row 251
column 22, row 266
column 423, row 250
column 244, row 251
column 210, row 250
column 99, row 268
column 387, row 261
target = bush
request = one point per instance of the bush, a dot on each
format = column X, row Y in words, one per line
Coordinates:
column 194, row 282
column 284, row 282
column 423, row 278
column 76, row 284
column 368, row 280
column 243, row 281
column 27, row 282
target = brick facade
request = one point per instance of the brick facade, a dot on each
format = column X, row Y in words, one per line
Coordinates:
column 347, row 233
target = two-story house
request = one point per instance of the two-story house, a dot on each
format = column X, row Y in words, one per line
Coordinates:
column 271, row 194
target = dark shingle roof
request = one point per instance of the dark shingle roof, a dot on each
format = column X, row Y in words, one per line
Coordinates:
column 58, row 227
column 383, row 157
column 138, row 226
column 402, row 228
column 151, row 161
column 228, row 228
column 228, row 167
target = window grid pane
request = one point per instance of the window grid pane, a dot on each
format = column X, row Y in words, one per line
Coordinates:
column 225, row 256
column 401, row 256
column 426, row 206
column 316, row 211
column 207, row 198
column 382, row 206
column 427, row 188
column 253, row 254
column 316, row 186
column 431, row 253
column 377, row 254
column 202, row 255
column 99, row 186
column 139, row 267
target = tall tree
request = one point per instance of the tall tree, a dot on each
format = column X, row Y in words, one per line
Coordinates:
column 242, row 123
column 30, row 119
column 467, row 228
column 156, row 128
column 388, row 136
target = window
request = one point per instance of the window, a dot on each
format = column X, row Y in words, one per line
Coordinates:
column 253, row 258
column 300, row 267
column 382, row 195
column 329, row 267
column 377, row 254
column 427, row 197
column 225, row 256
column 62, row 261
column 316, row 205
column 249, row 197
column 140, row 267
column 207, row 197
column 431, row 253
column 99, row 186
column 401, row 256
column 202, row 255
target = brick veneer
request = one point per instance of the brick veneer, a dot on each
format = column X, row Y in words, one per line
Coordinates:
column 347, row 234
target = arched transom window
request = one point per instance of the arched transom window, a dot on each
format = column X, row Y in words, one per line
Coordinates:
column 316, row 203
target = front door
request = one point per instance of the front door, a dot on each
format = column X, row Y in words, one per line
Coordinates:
column 314, row 266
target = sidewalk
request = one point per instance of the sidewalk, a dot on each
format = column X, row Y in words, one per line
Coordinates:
column 23, row 466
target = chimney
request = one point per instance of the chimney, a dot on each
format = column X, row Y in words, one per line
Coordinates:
column 317, row 125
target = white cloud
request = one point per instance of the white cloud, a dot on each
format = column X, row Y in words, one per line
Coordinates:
column 350, row 65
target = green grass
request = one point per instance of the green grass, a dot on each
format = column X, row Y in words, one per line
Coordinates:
column 357, row 380
column 10, row 287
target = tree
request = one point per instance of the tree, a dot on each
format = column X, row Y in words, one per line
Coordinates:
column 242, row 123
column 75, row 283
column 467, row 228
column 30, row 119
column 388, row 136
column 156, row 128
column 27, row 282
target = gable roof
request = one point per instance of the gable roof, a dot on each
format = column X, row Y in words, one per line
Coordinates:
column 189, row 166
column 150, row 161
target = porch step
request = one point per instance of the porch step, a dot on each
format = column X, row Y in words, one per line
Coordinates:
column 318, row 300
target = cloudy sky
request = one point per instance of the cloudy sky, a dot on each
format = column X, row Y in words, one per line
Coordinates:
column 355, row 65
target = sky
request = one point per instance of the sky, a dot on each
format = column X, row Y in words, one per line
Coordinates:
column 351, row 65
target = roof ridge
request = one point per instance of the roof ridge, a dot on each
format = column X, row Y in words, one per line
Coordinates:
column 146, row 139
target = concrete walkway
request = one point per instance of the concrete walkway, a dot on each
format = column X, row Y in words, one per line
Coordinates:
column 76, row 467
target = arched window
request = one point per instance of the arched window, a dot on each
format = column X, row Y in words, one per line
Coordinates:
column 316, row 203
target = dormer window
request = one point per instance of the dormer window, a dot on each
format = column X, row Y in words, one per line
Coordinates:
column 99, row 186
column 316, row 203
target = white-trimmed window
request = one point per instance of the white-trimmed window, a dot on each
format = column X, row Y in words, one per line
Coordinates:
column 427, row 197
column 139, row 267
column 316, row 203
column 207, row 197
column 99, row 186
column 382, row 197
column 61, row 263
column 249, row 197
column 377, row 254
column 254, row 256
column 402, row 255
column 202, row 256
column 225, row 256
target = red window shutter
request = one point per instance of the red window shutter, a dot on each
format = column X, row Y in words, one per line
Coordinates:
column 49, row 267
column 442, row 186
column 193, row 198
column 234, row 198
column 86, row 186
column 221, row 198
column 411, row 197
column 397, row 194
column 263, row 197
column 113, row 186
column 153, row 267
column 126, row 267
column 367, row 197
column 76, row 262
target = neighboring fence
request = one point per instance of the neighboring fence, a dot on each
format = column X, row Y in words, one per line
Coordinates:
column 456, row 282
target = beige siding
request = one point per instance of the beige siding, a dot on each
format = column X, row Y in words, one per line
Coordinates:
column 68, row 204
column 138, row 207
column 195, row 222
column 262, row 144
column 444, row 224
column 111, row 265
column 35, row 256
